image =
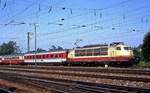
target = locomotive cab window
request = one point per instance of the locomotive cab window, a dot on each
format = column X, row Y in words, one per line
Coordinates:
column 118, row 48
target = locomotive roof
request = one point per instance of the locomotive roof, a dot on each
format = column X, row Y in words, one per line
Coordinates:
column 93, row 46
column 116, row 43
column 101, row 45
column 96, row 45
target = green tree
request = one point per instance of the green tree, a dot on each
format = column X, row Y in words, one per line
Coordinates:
column 40, row 50
column 137, row 51
column 53, row 48
column 146, row 47
column 9, row 48
column 59, row 48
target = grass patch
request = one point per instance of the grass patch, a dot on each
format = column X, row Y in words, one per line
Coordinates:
column 143, row 64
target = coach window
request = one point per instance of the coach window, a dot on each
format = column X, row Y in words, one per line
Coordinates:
column 56, row 56
column 64, row 55
column 47, row 56
column 59, row 55
column 51, row 56
column 118, row 48
column 43, row 56
column 37, row 56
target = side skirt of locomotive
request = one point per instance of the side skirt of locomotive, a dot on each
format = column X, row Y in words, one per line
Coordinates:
column 102, row 63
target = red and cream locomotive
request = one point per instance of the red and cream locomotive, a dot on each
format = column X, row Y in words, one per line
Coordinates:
column 115, row 53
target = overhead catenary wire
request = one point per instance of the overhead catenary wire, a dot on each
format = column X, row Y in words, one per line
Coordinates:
column 65, row 30
column 107, row 27
column 125, row 1
column 90, row 24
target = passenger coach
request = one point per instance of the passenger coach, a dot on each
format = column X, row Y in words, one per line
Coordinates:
column 53, row 57
column 12, row 59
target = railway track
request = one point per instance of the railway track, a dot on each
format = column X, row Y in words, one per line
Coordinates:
column 104, row 75
column 87, row 69
column 68, row 86
column 55, row 79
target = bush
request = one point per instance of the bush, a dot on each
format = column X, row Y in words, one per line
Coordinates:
column 146, row 48
column 143, row 64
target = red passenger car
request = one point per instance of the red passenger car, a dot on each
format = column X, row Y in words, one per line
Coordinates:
column 46, row 57
column 12, row 59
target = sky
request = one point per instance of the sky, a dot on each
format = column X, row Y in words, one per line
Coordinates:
column 66, row 22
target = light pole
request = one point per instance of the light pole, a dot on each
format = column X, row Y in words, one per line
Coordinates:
column 35, row 42
column 23, row 23
column 35, row 25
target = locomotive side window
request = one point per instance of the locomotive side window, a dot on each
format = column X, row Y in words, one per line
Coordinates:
column 126, row 48
column 77, row 52
column 103, row 51
column 89, row 52
column 118, row 48
column 83, row 52
column 97, row 51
